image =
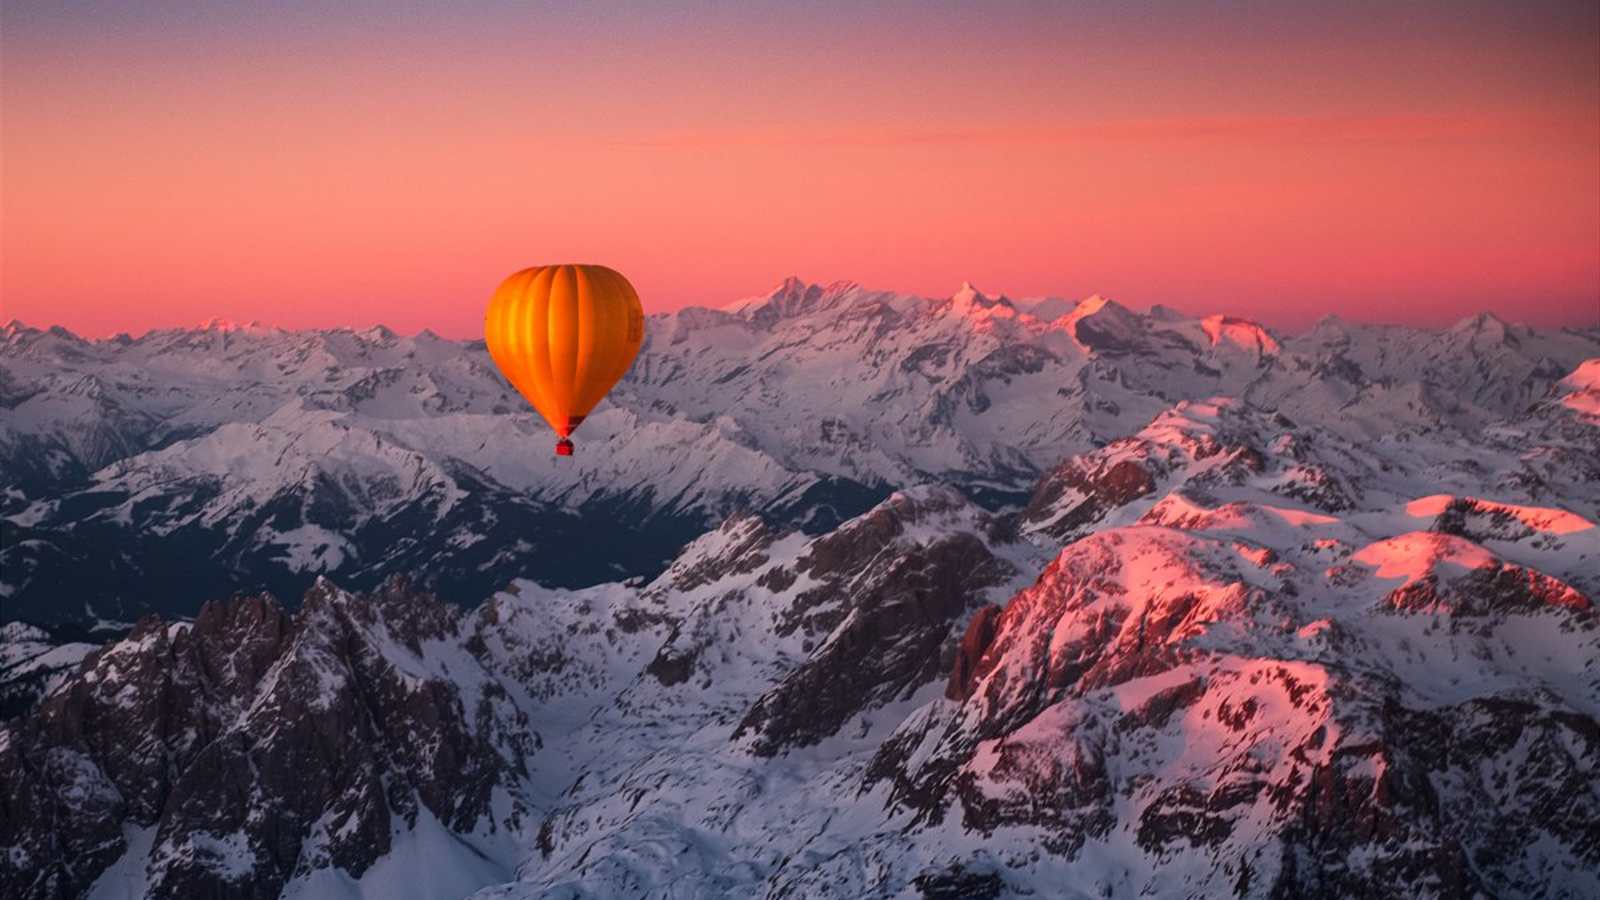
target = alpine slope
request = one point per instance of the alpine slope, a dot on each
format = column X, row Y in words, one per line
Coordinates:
column 897, row 597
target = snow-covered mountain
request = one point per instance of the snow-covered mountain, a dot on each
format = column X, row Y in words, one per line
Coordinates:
column 152, row 473
column 34, row 661
column 1156, row 607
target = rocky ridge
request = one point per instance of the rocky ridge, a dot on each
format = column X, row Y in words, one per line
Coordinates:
column 150, row 473
column 1289, row 663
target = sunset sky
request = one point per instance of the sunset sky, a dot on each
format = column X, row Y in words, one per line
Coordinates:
column 364, row 163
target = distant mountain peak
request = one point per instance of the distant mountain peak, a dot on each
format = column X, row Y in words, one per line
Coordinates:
column 1485, row 325
column 969, row 301
column 1582, row 391
column 791, row 298
column 1586, row 377
column 219, row 324
column 1095, row 304
column 1243, row 333
column 1482, row 319
column 1102, row 325
column 794, row 286
column 1231, row 642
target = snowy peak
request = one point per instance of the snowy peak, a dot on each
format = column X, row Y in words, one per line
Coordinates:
column 1420, row 554
column 256, row 327
column 1047, row 309
column 1511, row 521
column 970, row 303
column 1580, row 391
column 1586, row 377
column 1103, row 326
column 55, row 344
column 1164, row 605
column 1445, row 573
column 1119, row 692
column 1196, row 446
column 1162, row 313
column 1220, row 620
column 734, row 547
column 793, row 299
column 1095, row 303
column 811, row 403
column 1240, row 333
column 339, row 730
column 1485, row 327
column 1330, row 329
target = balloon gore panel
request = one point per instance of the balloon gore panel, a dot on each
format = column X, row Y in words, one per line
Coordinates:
column 564, row 336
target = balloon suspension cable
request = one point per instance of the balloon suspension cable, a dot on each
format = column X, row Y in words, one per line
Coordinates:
column 563, row 447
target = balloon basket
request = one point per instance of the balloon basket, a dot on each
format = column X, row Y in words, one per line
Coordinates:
column 564, row 447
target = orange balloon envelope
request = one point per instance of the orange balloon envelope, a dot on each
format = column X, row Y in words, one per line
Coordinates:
column 563, row 336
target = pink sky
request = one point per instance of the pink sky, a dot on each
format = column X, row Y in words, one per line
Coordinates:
column 386, row 164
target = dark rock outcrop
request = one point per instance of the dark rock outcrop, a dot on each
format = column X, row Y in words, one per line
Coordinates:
column 889, row 643
column 979, row 634
column 1076, row 495
column 257, row 745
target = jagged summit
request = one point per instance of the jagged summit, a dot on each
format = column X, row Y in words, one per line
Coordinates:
column 967, row 294
column 1099, row 324
column 282, row 454
column 1241, row 333
column 970, row 303
column 1485, row 322
column 846, row 596
column 791, row 298
column 1580, row 391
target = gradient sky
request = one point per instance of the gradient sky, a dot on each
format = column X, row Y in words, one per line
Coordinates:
column 311, row 166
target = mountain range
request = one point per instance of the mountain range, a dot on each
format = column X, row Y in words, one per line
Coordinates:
column 149, row 474
column 846, row 593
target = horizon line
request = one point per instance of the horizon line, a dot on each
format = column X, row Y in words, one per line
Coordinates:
column 228, row 325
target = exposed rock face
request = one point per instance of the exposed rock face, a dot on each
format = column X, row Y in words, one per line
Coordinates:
column 1093, row 492
column 741, row 541
column 980, row 633
column 1493, row 588
column 956, row 883
column 1166, row 683
column 1199, row 447
column 258, row 746
column 872, row 610
column 1483, row 521
column 889, row 643
column 282, row 745
column 1279, row 663
column 148, row 473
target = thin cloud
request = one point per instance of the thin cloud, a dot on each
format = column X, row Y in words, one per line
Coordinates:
column 1253, row 129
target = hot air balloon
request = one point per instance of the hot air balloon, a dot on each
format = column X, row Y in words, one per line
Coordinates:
column 563, row 336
